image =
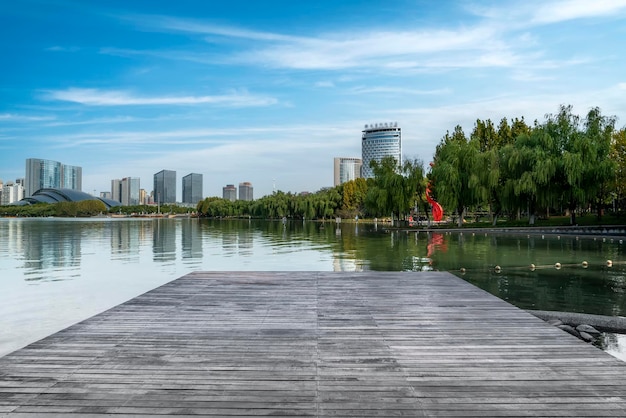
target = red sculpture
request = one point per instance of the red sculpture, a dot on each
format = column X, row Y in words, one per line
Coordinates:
column 436, row 207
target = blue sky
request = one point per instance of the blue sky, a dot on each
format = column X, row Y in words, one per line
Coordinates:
column 271, row 91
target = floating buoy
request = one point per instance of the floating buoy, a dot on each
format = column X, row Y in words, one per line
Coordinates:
column 532, row 267
column 603, row 239
column 558, row 237
column 462, row 270
column 557, row 266
column 620, row 241
column 585, row 264
column 497, row 269
column 609, row 263
column 542, row 237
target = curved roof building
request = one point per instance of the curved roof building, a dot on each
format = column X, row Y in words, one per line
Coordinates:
column 64, row 195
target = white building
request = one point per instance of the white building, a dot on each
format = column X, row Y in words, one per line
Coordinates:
column 346, row 169
column 380, row 140
column 11, row 192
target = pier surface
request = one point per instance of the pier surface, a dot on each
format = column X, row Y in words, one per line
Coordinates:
column 312, row 344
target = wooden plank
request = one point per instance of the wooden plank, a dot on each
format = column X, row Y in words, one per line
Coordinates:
column 312, row 344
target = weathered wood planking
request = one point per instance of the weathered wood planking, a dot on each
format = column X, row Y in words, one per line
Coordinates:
column 313, row 344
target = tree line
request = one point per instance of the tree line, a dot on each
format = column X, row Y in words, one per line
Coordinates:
column 566, row 164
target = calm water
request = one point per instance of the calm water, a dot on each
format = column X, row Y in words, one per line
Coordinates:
column 55, row 272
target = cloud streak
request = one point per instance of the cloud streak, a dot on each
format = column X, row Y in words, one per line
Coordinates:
column 96, row 97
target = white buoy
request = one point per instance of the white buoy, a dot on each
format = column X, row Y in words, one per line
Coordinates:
column 497, row 269
column 557, row 266
column 585, row 264
column 532, row 267
column 462, row 270
column 609, row 263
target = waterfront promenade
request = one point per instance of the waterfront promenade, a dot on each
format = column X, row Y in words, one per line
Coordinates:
column 313, row 344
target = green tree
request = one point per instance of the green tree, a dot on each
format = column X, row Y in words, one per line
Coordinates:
column 618, row 156
column 456, row 173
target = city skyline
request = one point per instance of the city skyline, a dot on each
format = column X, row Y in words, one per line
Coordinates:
column 247, row 91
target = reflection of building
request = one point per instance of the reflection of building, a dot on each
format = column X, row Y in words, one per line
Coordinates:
column 378, row 141
column 192, row 188
column 42, row 174
column 125, row 239
column 165, row 186
column 346, row 169
column 164, row 240
column 229, row 192
column 105, row 195
column 245, row 191
column 51, row 248
column 191, row 239
column 126, row 191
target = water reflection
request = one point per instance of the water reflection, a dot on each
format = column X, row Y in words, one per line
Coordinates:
column 117, row 259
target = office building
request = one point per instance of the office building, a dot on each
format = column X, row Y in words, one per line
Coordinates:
column 192, row 188
column 245, row 191
column 10, row 193
column 106, row 195
column 46, row 174
column 346, row 169
column 229, row 192
column 378, row 141
column 165, row 187
column 126, row 191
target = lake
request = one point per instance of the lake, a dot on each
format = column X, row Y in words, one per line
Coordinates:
column 56, row 272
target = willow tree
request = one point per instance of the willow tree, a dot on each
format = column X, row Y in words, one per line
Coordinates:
column 456, row 173
column 585, row 146
column 394, row 188
column 618, row 156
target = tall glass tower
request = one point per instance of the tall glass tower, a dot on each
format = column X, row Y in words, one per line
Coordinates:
column 380, row 140
column 43, row 174
column 165, row 187
column 192, row 188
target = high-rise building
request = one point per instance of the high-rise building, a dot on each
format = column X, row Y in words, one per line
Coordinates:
column 165, row 187
column 126, row 191
column 11, row 192
column 41, row 174
column 346, row 169
column 192, row 188
column 245, row 191
column 229, row 192
column 380, row 140
column 116, row 190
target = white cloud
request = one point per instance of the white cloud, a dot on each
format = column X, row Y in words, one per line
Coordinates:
column 24, row 118
column 324, row 84
column 560, row 11
column 397, row 90
column 95, row 97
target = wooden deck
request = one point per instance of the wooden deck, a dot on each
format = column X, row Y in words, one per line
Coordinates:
column 313, row 344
